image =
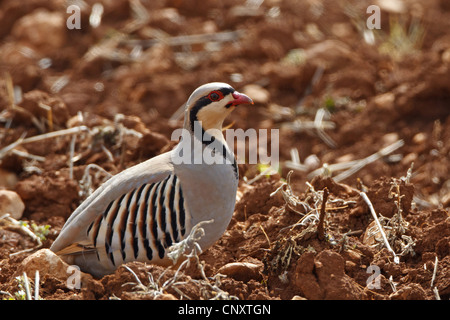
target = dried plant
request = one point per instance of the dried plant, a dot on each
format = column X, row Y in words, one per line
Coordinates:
column 188, row 250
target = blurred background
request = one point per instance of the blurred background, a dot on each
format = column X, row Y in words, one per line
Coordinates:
column 338, row 91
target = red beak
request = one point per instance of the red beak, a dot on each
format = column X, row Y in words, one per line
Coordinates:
column 240, row 98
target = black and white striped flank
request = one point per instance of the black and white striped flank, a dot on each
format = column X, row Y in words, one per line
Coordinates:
column 141, row 224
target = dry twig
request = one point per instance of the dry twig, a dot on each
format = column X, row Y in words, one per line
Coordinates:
column 18, row 226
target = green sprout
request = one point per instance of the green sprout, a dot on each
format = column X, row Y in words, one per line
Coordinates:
column 41, row 231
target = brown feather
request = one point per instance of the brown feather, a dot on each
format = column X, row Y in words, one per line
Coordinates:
column 75, row 248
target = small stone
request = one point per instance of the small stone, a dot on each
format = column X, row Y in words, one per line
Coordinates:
column 257, row 93
column 354, row 255
column 345, row 158
column 419, row 138
column 11, row 203
column 390, row 138
column 409, row 158
column 241, row 271
column 446, row 56
column 384, row 101
column 165, row 296
column 48, row 263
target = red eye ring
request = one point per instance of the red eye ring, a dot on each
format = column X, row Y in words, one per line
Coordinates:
column 215, row 96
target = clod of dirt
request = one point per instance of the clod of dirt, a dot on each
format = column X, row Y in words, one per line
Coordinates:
column 329, row 267
column 338, row 189
column 323, row 276
column 44, row 106
column 381, row 194
column 432, row 229
column 257, row 200
column 304, row 278
column 43, row 29
column 44, row 194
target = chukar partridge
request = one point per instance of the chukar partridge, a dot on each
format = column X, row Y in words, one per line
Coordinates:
column 139, row 213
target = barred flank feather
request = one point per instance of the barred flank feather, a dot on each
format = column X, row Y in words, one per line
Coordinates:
column 145, row 221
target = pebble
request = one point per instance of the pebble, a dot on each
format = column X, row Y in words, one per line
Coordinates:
column 241, row 271
column 8, row 180
column 390, row 138
column 11, row 203
column 384, row 101
column 49, row 264
column 257, row 93
column 298, row 298
column 409, row 158
column 419, row 138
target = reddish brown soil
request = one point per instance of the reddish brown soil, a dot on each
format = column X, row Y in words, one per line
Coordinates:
column 375, row 97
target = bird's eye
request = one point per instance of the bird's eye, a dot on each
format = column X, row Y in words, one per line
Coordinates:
column 215, row 96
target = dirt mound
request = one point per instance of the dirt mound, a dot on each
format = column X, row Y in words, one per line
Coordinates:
column 359, row 112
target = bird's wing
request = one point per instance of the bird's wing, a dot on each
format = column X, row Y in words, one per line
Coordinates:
column 72, row 237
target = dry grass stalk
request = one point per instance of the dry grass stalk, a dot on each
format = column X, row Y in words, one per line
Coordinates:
column 433, row 278
column 24, row 154
column 436, row 293
column 397, row 226
column 49, row 115
column 54, row 134
column 294, row 163
column 15, row 108
column 356, row 165
column 225, row 36
column 4, row 151
column 318, row 126
column 36, row 285
column 393, row 229
column 15, row 225
column 291, row 200
column 27, row 286
column 380, row 228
